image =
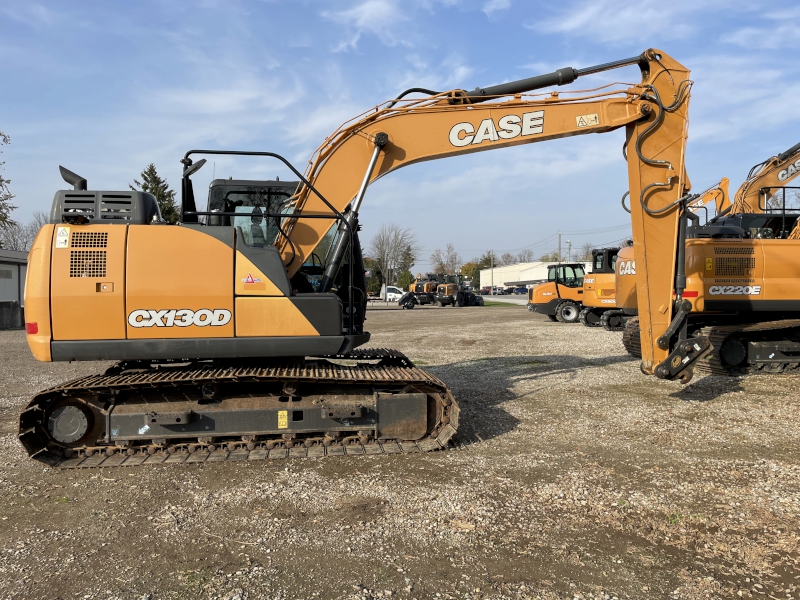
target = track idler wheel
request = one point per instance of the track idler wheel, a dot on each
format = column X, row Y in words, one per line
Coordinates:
column 613, row 320
column 732, row 354
column 589, row 318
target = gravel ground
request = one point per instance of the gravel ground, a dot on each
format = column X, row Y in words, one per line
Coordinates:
column 575, row 476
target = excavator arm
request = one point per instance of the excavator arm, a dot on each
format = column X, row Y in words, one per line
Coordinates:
column 717, row 194
column 772, row 173
column 654, row 112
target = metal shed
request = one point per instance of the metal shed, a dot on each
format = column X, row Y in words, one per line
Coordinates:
column 13, row 268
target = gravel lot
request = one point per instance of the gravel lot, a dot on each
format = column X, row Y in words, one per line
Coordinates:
column 575, row 477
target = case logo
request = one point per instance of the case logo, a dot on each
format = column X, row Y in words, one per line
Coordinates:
column 251, row 279
column 627, row 267
column 507, row 128
column 790, row 171
column 179, row 318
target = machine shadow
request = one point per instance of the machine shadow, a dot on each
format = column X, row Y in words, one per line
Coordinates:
column 482, row 386
column 709, row 387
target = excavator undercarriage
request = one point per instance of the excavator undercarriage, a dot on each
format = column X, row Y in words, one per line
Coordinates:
column 369, row 401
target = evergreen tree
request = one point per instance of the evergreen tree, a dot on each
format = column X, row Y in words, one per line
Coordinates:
column 5, row 194
column 158, row 186
column 405, row 279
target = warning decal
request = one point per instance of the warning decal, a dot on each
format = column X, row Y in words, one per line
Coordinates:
column 251, row 279
column 587, row 120
column 62, row 237
column 283, row 419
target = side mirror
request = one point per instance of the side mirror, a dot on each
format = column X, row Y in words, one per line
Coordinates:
column 193, row 168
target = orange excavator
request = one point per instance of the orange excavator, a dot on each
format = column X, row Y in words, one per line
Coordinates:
column 233, row 345
column 736, row 267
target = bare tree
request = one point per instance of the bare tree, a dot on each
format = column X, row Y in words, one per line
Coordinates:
column 525, row 255
column 5, row 194
column 389, row 247
column 18, row 236
column 586, row 251
column 507, row 259
column 447, row 261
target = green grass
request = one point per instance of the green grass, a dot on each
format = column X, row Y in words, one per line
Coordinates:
column 491, row 303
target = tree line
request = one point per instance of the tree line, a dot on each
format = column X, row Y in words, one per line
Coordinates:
column 393, row 251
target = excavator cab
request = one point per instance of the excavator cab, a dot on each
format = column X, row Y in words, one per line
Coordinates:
column 599, row 303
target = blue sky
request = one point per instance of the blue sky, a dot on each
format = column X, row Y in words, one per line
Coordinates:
column 104, row 88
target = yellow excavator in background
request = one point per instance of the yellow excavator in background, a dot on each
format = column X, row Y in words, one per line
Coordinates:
column 230, row 340
column 598, row 289
column 739, row 267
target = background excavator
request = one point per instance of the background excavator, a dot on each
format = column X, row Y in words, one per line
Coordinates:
column 741, row 273
column 260, row 353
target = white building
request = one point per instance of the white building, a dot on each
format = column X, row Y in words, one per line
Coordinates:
column 13, row 266
column 520, row 274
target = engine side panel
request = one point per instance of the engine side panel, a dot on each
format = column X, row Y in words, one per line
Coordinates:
column 179, row 284
column 87, row 282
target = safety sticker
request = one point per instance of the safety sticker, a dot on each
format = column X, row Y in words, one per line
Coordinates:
column 62, row 237
column 709, row 264
column 283, row 419
column 251, row 279
column 587, row 120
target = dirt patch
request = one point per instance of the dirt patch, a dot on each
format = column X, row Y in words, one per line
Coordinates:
column 574, row 476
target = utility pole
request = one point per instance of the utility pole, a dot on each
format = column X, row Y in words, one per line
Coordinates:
column 559, row 247
column 491, row 263
column 569, row 251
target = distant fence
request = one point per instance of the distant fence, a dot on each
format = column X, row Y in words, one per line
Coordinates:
column 11, row 315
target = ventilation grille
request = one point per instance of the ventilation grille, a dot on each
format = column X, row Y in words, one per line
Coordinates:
column 733, row 250
column 734, row 267
column 87, row 263
column 88, row 239
column 79, row 204
column 116, row 207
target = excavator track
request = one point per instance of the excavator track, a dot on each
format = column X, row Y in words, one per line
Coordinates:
column 631, row 338
column 359, row 397
column 729, row 342
column 613, row 320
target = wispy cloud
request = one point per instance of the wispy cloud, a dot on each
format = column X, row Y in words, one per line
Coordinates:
column 493, row 6
column 447, row 74
column 779, row 31
column 377, row 17
column 622, row 22
column 32, row 14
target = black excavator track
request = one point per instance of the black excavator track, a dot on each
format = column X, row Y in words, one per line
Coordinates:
column 590, row 317
column 631, row 338
column 369, row 401
column 766, row 347
column 613, row 320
